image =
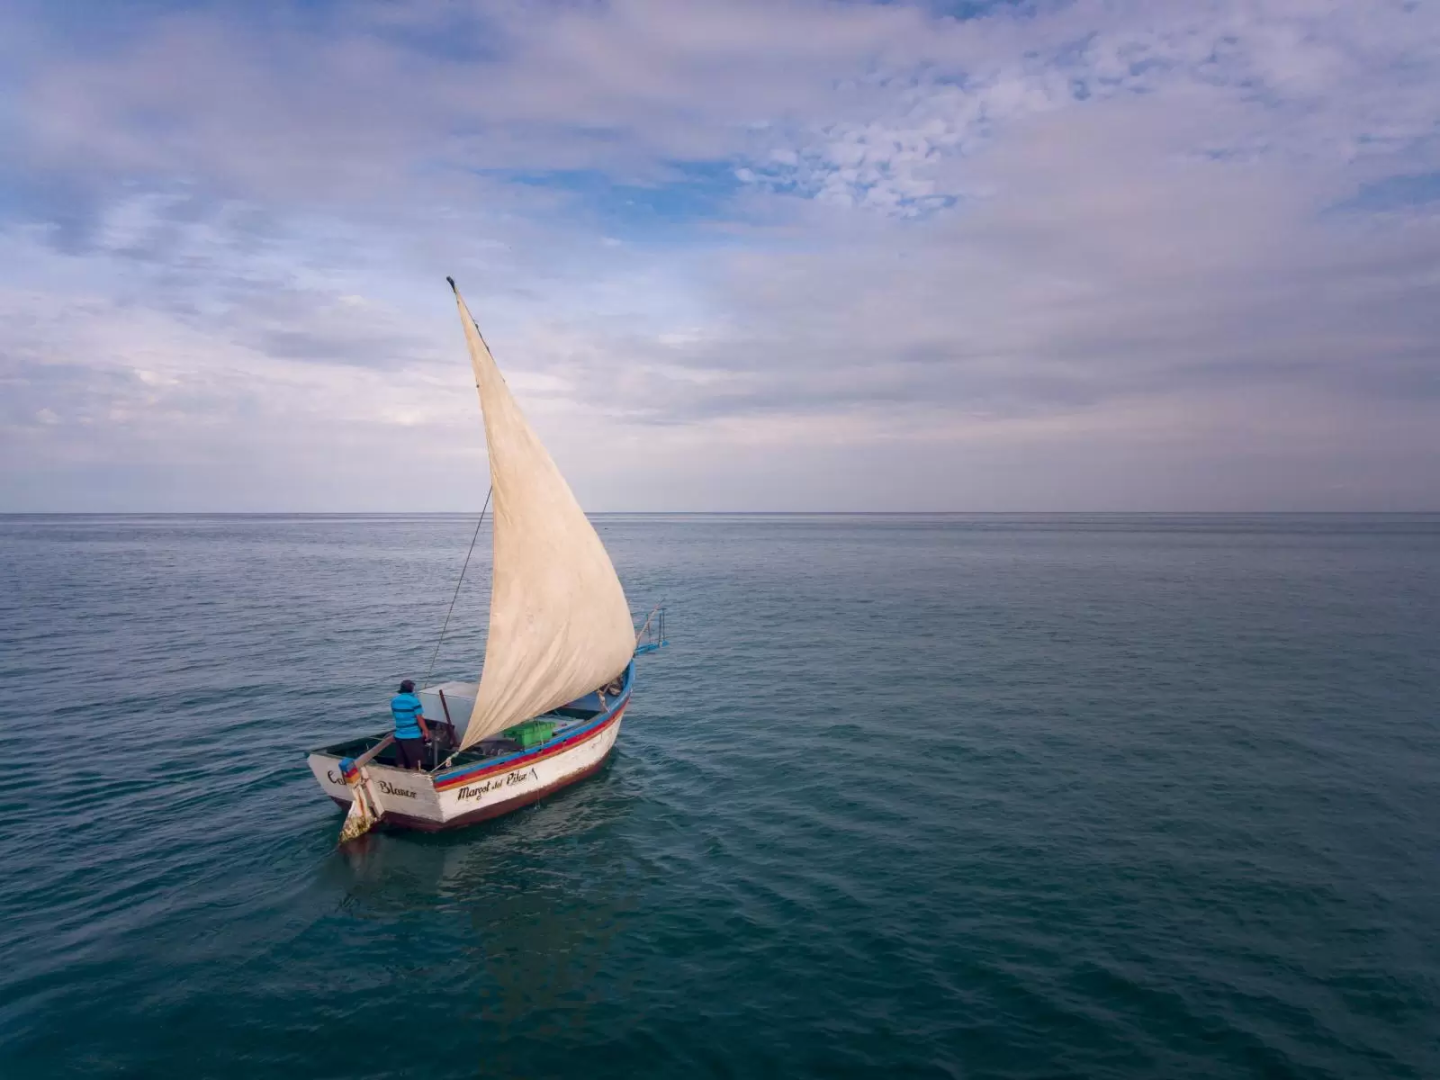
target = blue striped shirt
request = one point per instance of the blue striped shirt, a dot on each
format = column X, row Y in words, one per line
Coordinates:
column 405, row 708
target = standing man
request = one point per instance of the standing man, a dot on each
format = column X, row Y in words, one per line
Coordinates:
column 411, row 732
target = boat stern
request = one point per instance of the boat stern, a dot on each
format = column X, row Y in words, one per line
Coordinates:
column 326, row 769
column 405, row 797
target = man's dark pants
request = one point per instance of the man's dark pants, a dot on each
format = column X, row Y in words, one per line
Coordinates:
column 412, row 752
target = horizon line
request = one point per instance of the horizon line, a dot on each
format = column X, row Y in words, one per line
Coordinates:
column 705, row 513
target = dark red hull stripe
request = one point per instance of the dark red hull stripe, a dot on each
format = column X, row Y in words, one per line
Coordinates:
column 526, row 758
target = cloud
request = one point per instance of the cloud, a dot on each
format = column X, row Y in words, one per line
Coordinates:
column 1193, row 242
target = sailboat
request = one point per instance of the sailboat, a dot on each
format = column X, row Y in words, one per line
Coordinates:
column 559, row 663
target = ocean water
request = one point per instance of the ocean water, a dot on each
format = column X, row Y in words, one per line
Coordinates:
column 950, row 796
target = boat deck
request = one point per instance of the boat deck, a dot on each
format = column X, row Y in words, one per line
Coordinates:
column 565, row 720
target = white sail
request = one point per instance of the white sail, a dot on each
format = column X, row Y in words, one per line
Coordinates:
column 559, row 622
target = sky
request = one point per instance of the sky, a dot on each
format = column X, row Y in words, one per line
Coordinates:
column 1090, row 255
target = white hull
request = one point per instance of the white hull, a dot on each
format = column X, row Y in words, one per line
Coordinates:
column 465, row 794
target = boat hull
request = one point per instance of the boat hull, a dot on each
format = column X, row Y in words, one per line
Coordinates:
column 466, row 795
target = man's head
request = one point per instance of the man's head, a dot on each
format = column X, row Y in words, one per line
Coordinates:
column 408, row 686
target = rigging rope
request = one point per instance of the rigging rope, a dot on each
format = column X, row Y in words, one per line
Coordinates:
column 436, row 653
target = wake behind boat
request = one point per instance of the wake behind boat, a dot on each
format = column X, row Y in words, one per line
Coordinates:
column 558, row 669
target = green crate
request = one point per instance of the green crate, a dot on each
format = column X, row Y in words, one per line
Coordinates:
column 531, row 732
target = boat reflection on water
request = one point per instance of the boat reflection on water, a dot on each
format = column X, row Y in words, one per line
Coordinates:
column 526, row 909
column 458, row 863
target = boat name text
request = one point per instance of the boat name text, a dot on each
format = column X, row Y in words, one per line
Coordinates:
column 516, row 777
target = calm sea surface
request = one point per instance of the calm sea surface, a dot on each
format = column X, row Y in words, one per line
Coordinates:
column 951, row 796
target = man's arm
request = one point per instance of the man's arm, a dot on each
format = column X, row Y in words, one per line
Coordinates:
column 424, row 728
